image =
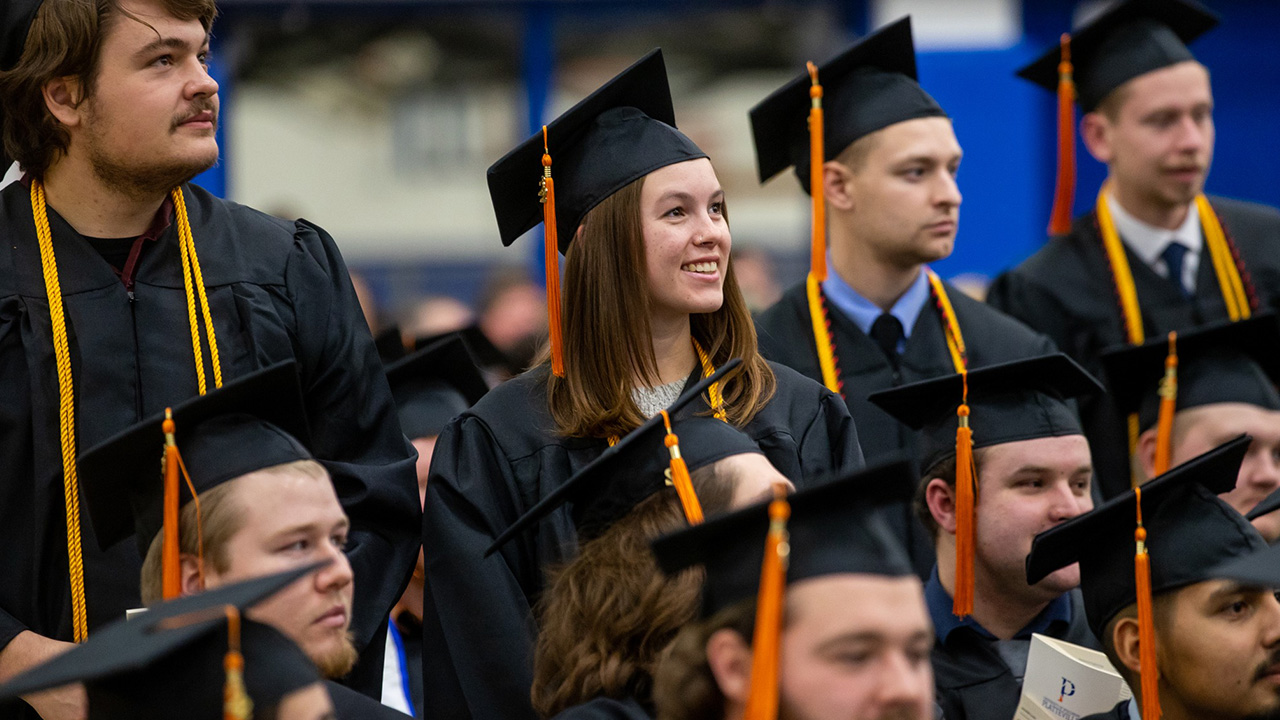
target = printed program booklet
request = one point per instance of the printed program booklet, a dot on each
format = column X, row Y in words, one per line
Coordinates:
column 1067, row 682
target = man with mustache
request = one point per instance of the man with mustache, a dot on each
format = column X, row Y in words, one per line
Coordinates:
column 1154, row 254
column 892, row 206
column 124, row 289
column 1214, row 617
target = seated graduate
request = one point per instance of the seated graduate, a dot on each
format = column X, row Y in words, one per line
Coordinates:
column 1026, row 469
column 431, row 386
column 194, row 658
column 1221, row 384
column 650, row 305
column 241, row 496
column 853, row 641
column 606, row 616
column 1182, row 592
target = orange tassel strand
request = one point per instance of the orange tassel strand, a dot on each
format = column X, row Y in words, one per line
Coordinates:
column 680, row 476
column 236, row 704
column 171, row 579
column 966, row 498
column 1150, row 674
column 1060, row 220
column 552, row 250
column 1168, row 407
column 762, row 702
column 817, row 156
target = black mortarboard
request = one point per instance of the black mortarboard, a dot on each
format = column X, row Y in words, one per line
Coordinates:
column 833, row 528
column 1190, row 535
column 1013, row 401
column 486, row 354
column 868, row 87
column 1236, row 362
column 616, row 135
column 254, row 422
column 637, row 466
column 168, row 662
column 434, row 385
column 1131, row 39
column 15, row 22
column 390, row 344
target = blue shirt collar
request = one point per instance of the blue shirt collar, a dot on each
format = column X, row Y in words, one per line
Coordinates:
column 1054, row 619
column 863, row 312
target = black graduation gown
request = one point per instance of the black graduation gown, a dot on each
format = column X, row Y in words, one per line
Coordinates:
column 1119, row 712
column 1066, row 291
column 494, row 462
column 277, row 291
column 972, row 680
column 605, row 709
column 351, row 705
column 786, row 337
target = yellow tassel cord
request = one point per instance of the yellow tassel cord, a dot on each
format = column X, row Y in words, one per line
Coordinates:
column 194, row 285
column 966, row 500
column 1150, row 674
column 950, row 325
column 822, row 337
column 236, row 704
column 191, row 276
column 1168, row 407
column 551, row 250
column 1235, row 294
column 1064, row 191
column 171, row 571
column 717, row 400
column 680, row 476
column 762, row 701
column 66, row 413
column 818, row 243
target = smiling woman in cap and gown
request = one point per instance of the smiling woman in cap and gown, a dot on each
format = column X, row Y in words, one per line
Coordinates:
column 650, row 304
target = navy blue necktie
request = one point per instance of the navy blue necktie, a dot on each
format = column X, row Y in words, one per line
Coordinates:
column 1173, row 255
column 887, row 332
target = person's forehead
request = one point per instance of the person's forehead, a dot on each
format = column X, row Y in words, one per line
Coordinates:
column 695, row 176
column 919, row 136
column 1184, row 82
column 849, row 601
column 138, row 22
column 308, row 496
column 1234, row 417
column 1061, row 452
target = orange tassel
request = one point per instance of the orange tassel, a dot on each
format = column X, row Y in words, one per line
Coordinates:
column 762, row 702
column 818, row 257
column 552, row 250
column 1060, row 220
column 236, row 704
column 1168, row 407
column 170, row 566
column 680, row 476
column 1150, row 674
column 966, row 498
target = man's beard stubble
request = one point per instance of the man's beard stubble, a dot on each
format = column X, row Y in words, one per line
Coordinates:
column 338, row 662
column 138, row 180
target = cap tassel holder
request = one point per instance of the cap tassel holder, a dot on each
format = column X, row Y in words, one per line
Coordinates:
column 1168, row 407
column 171, row 579
column 236, row 704
column 680, row 476
column 817, row 156
column 762, row 702
column 1150, row 674
column 547, row 195
column 1060, row 219
column 966, row 498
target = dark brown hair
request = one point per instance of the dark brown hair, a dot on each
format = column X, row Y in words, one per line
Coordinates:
column 607, row 338
column 684, row 687
column 607, row 616
column 65, row 41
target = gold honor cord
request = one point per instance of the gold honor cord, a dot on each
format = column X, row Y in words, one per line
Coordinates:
column 66, row 385
column 717, row 401
column 1225, row 267
column 950, row 325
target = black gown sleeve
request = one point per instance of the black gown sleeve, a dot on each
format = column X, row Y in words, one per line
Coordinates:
column 356, row 435
column 478, row 628
column 351, row 705
column 831, row 440
column 1023, row 299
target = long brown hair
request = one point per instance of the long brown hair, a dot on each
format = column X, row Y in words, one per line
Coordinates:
column 607, row 337
column 607, row 616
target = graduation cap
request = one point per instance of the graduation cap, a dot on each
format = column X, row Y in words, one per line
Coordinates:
column 832, row 528
column 1226, row 362
column 434, row 385
column 390, row 344
column 131, row 480
column 615, row 136
column 187, row 659
column 486, row 354
column 1131, row 39
column 1182, row 532
column 959, row 413
column 15, row 22
column 644, row 462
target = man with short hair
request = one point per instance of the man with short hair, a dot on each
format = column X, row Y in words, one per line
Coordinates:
column 853, row 642
column 892, row 206
column 1212, row 584
column 1154, row 254
column 124, row 289
column 1033, row 472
